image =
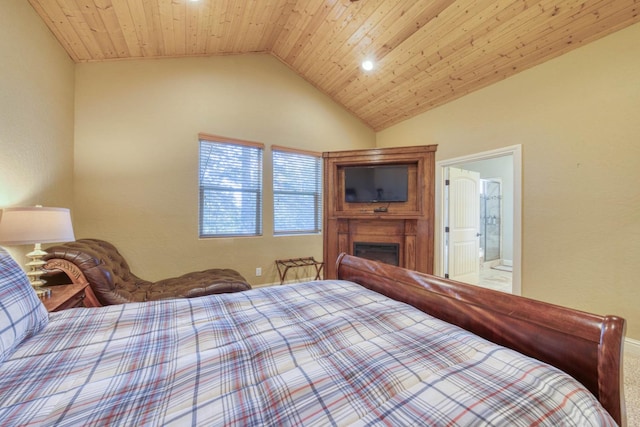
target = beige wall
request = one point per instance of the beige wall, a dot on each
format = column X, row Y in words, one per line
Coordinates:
column 578, row 120
column 36, row 113
column 136, row 130
column 136, row 181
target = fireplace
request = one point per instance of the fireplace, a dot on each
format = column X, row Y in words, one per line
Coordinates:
column 383, row 252
column 398, row 233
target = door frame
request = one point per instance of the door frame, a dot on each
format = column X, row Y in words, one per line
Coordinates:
column 515, row 151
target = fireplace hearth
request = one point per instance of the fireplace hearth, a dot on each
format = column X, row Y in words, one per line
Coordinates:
column 383, row 252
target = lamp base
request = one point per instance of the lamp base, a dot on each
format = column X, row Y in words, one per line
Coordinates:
column 42, row 293
column 35, row 270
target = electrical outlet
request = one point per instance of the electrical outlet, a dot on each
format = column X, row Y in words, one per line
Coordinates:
column 258, row 271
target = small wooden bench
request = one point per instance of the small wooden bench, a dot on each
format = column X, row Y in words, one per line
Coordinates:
column 284, row 265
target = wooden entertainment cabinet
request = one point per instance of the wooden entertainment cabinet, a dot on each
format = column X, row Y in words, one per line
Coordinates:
column 406, row 225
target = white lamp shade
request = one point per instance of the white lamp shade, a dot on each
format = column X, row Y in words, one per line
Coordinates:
column 29, row 225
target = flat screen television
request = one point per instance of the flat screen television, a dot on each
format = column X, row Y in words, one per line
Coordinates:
column 375, row 184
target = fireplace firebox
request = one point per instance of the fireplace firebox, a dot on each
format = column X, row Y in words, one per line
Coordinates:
column 383, row 252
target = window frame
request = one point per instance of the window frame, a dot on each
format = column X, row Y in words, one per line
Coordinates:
column 202, row 188
column 317, row 193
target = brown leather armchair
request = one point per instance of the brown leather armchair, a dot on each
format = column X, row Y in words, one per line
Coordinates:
column 99, row 263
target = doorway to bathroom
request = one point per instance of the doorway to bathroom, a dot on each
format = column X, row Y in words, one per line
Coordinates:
column 479, row 226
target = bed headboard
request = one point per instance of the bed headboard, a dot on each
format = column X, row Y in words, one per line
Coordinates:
column 586, row 346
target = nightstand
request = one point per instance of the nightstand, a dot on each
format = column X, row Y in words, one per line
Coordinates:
column 70, row 296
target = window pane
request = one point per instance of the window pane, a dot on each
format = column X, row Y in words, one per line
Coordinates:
column 230, row 189
column 297, row 193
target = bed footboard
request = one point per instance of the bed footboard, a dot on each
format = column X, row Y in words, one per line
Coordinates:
column 586, row 346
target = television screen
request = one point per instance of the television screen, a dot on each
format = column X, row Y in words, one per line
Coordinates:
column 367, row 184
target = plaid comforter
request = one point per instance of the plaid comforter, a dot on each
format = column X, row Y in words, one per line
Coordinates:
column 318, row 353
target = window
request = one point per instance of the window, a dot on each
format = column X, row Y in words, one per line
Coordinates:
column 230, row 187
column 297, row 191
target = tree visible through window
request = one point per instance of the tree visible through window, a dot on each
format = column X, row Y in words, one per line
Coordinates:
column 297, row 191
column 230, row 187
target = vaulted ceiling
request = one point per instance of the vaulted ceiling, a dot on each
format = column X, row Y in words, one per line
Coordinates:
column 426, row 52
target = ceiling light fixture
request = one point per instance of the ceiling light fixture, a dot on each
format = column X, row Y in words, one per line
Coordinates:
column 367, row 65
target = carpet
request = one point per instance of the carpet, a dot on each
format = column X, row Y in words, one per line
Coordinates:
column 631, row 368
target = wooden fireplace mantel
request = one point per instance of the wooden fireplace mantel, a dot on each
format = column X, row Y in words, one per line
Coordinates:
column 408, row 224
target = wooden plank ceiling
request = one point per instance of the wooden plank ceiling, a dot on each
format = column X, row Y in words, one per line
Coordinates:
column 427, row 52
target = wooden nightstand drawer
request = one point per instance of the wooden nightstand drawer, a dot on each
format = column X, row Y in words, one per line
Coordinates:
column 75, row 301
column 69, row 296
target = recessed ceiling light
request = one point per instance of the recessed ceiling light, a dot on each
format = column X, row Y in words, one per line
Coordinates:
column 367, row 65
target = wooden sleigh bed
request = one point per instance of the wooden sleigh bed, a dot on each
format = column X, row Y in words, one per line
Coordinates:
column 586, row 346
column 316, row 353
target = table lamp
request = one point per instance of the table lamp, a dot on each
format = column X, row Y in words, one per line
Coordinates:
column 35, row 225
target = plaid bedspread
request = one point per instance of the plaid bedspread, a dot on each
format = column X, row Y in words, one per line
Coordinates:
column 319, row 353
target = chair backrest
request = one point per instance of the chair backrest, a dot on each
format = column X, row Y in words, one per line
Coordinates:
column 105, row 269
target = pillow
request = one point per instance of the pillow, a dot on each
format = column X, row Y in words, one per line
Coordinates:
column 22, row 314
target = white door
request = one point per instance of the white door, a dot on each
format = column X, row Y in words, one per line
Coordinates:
column 464, row 225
